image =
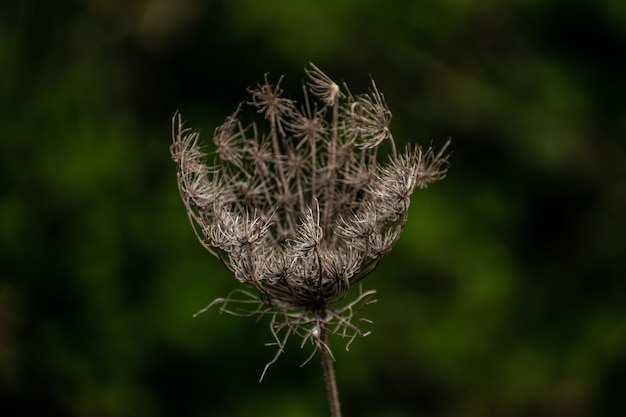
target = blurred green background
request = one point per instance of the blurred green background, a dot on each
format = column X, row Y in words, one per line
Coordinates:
column 506, row 296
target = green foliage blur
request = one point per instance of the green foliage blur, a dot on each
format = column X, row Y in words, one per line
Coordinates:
column 506, row 296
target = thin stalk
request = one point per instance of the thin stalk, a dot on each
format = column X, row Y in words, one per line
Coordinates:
column 331, row 208
column 281, row 171
column 329, row 374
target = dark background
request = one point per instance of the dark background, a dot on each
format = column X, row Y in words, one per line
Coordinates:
column 504, row 297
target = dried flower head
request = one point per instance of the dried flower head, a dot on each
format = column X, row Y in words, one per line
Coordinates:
column 302, row 211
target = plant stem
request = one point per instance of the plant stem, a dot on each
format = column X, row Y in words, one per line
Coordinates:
column 329, row 374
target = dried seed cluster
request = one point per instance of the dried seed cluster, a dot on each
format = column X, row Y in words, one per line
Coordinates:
column 302, row 210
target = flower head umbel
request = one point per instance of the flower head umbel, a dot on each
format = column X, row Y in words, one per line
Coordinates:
column 305, row 209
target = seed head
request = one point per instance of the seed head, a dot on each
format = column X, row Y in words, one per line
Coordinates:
column 306, row 209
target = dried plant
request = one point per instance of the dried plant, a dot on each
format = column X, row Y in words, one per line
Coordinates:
column 305, row 210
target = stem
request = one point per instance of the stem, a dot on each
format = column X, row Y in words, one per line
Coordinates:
column 329, row 374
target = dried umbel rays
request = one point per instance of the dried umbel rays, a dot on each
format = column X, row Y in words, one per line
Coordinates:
column 304, row 207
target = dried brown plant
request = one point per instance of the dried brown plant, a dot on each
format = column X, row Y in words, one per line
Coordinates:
column 305, row 210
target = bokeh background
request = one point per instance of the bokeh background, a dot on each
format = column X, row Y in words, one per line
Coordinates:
column 506, row 296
